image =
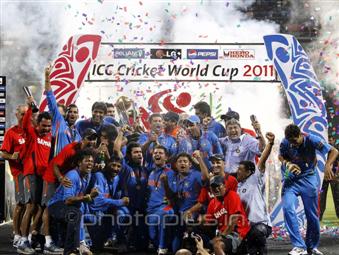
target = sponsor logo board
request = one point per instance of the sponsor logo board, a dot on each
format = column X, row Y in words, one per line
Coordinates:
column 128, row 53
column 166, row 54
column 239, row 54
column 202, row 53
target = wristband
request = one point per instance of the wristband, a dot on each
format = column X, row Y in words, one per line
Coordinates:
column 88, row 198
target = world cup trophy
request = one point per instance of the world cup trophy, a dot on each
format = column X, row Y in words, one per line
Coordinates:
column 123, row 105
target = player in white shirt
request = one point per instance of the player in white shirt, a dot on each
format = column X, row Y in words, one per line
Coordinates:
column 251, row 189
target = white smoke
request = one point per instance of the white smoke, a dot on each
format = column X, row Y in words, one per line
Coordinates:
column 30, row 33
column 326, row 48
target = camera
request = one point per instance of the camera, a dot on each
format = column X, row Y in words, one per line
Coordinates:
column 188, row 242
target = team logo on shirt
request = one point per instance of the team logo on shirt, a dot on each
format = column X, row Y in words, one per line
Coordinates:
column 219, row 213
column 21, row 141
column 43, row 142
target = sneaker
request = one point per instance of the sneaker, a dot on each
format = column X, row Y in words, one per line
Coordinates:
column 162, row 251
column 298, row 251
column 16, row 243
column 53, row 249
column 25, row 248
column 315, row 251
column 84, row 249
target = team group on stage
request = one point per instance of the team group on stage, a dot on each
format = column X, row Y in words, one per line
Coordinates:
column 188, row 185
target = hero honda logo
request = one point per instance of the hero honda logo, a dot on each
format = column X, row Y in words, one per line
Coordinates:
column 239, row 54
column 129, row 53
column 202, row 53
column 165, row 53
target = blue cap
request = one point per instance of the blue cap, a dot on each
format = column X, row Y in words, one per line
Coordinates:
column 193, row 119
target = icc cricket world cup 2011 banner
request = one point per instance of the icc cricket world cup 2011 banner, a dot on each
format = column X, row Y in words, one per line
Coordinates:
column 304, row 96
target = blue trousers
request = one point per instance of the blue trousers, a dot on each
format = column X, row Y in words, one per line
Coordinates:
column 306, row 187
column 123, row 221
column 108, row 223
column 139, row 230
column 157, row 221
column 71, row 215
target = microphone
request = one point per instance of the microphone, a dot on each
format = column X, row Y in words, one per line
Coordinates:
column 29, row 94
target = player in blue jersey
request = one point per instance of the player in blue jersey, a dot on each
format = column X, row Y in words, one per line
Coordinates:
column 298, row 156
column 135, row 178
column 205, row 141
column 188, row 186
column 161, row 188
column 68, row 203
column 110, row 202
column 203, row 111
column 63, row 130
column 154, row 137
column 97, row 122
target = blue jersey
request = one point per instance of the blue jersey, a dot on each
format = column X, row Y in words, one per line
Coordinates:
column 78, row 188
column 217, row 128
column 208, row 143
column 135, row 178
column 157, row 197
column 82, row 125
column 165, row 140
column 183, row 144
column 109, row 193
column 61, row 131
column 305, row 155
column 188, row 190
column 111, row 120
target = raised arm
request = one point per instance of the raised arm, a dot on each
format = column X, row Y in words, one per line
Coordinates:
column 267, row 151
column 203, row 168
column 118, row 144
column 52, row 103
column 27, row 119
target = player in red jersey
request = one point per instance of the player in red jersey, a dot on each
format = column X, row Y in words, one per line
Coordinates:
column 218, row 169
column 227, row 211
column 13, row 144
column 35, row 162
column 66, row 160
